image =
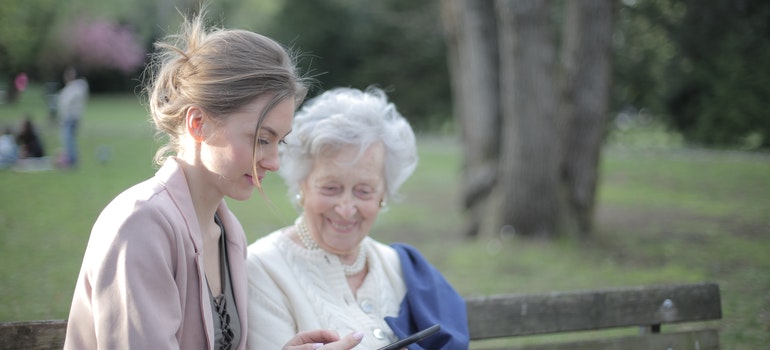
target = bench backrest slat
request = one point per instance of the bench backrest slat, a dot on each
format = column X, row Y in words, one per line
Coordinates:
column 35, row 335
column 516, row 315
column 513, row 315
column 705, row 339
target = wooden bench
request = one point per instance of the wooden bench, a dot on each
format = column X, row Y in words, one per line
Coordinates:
column 32, row 335
column 516, row 315
column 645, row 307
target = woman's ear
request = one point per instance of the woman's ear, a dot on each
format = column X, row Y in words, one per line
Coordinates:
column 194, row 120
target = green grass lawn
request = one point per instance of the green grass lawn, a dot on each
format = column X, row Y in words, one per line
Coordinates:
column 666, row 214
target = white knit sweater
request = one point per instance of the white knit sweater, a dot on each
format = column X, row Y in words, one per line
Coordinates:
column 293, row 289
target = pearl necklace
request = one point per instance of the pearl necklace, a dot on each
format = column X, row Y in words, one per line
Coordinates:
column 307, row 240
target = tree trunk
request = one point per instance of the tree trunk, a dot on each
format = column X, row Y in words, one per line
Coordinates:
column 532, row 141
column 471, row 36
column 532, row 127
column 587, row 67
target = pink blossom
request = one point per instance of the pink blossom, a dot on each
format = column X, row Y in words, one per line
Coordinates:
column 103, row 44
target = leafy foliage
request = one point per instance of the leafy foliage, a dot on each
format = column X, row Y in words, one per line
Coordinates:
column 23, row 29
column 394, row 44
column 704, row 67
column 701, row 66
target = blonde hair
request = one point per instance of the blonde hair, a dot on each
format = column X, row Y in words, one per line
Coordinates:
column 218, row 70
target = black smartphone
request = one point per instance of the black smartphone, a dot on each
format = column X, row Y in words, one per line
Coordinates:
column 402, row 343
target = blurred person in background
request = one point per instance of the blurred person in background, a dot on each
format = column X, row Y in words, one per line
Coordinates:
column 164, row 267
column 9, row 151
column 347, row 156
column 28, row 140
column 71, row 104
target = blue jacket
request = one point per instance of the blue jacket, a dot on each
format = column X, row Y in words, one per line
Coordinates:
column 429, row 300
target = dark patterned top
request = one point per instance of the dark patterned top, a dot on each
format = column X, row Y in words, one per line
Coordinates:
column 227, row 324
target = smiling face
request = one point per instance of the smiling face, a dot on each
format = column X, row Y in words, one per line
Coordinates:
column 342, row 197
column 227, row 152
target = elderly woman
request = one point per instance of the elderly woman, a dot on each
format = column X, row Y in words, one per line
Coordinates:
column 347, row 156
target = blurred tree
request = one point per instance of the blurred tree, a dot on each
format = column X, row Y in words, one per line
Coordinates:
column 586, row 85
column 553, row 110
column 100, row 44
column 109, row 53
column 471, row 35
column 33, row 34
column 24, row 25
column 532, row 131
column 704, row 66
column 394, row 44
column 642, row 50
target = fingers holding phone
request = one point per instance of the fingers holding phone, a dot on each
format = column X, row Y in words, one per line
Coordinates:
column 323, row 339
column 403, row 343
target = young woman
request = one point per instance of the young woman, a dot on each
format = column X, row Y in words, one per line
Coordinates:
column 165, row 264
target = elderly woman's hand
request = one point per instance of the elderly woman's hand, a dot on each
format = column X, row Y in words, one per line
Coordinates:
column 324, row 340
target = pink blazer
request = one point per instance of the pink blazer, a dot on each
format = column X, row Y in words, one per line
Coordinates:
column 141, row 284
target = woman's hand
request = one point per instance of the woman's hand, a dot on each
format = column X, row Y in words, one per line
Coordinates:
column 324, row 340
